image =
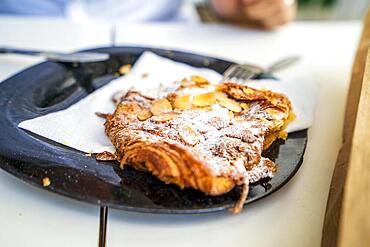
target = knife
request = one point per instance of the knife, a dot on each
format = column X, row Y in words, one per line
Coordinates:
column 78, row 57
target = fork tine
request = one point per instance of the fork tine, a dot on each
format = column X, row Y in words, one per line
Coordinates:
column 246, row 75
column 239, row 73
column 229, row 73
column 230, row 70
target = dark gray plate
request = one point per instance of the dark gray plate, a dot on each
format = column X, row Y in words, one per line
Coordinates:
column 49, row 87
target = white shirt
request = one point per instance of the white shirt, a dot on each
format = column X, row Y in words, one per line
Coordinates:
column 114, row 11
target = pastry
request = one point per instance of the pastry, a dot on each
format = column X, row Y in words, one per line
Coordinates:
column 200, row 135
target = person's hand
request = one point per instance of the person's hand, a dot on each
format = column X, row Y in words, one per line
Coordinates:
column 267, row 14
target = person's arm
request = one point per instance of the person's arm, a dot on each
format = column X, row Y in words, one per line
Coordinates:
column 267, row 14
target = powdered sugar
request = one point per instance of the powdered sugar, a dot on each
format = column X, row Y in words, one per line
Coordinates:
column 224, row 143
column 229, row 143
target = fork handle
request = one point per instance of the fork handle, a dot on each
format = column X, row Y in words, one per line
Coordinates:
column 10, row 50
column 282, row 64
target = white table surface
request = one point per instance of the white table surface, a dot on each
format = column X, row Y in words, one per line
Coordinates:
column 30, row 216
column 293, row 216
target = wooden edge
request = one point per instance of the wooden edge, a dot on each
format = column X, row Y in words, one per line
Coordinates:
column 354, row 227
column 334, row 203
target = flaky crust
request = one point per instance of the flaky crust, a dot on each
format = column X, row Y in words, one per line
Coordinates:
column 199, row 135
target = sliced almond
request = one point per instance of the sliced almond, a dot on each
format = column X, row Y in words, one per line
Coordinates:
column 219, row 87
column 274, row 101
column 124, row 69
column 273, row 111
column 244, row 106
column 128, row 108
column 185, row 83
column 282, row 107
column 182, row 102
column 248, row 90
column 230, row 104
column 189, row 135
column 205, row 99
column 144, row 115
column 164, row 117
column 161, row 106
column 199, row 80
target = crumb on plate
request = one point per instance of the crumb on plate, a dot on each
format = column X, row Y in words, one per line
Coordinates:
column 124, row 69
column 105, row 156
column 46, row 182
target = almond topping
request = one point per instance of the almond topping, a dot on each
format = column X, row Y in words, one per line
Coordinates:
column 244, row 106
column 282, row 107
column 248, row 90
column 274, row 101
column 182, row 102
column 273, row 111
column 189, row 135
column 230, row 104
column 164, row 117
column 185, row 83
column 199, row 80
column 161, row 106
column 144, row 115
column 205, row 99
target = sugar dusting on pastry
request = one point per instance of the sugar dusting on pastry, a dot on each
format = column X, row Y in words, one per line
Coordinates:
column 195, row 134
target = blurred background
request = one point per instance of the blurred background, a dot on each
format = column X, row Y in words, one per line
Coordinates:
column 315, row 9
column 107, row 11
column 332, row 9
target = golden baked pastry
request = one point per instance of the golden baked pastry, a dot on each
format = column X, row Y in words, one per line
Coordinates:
column 199, row 135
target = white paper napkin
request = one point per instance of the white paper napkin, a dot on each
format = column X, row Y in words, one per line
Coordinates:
column 79, row 127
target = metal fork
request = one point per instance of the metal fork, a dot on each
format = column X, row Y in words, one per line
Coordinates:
column 241, row 73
